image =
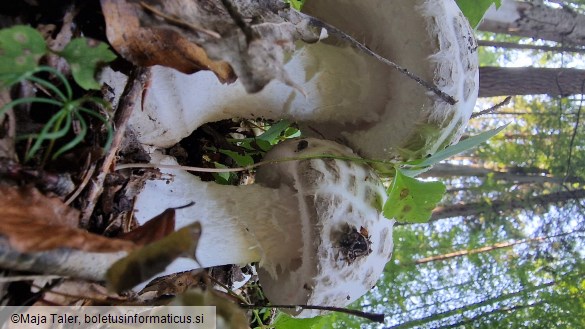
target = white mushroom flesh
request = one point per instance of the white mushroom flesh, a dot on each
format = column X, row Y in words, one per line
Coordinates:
column 240, row 224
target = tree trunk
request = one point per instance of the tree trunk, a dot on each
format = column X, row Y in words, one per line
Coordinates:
column 512, row 45
column 476, row 208
column 528, row 19
column 515, row 175
column 504, row 81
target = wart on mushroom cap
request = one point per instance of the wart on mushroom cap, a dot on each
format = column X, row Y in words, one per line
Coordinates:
column 293, row 221
column 349, row 96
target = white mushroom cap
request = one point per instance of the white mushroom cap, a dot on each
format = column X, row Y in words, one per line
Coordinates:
column 430, row 38
column 333, row 196
column 350, row 97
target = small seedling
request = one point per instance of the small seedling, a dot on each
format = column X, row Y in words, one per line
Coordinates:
column 21, row 47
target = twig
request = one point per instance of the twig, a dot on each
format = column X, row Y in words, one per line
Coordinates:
column 133, row 92
column 86, row 178
column 235, row 15
column 179, row 22
column 17, row 278
column 493, row 108
column 575, row 130
column 376, row 317
column 332, row 30
column 250, row 167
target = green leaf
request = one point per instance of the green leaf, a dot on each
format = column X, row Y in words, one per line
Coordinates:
column 413, row 168
column 153, row 258
column 21, row 47
column 284, row 321
column 296, row 4
column 241, row 160
column 273, row 133
column 475, row 9
column 223, row 178
column 411, row 200
column 84, row 59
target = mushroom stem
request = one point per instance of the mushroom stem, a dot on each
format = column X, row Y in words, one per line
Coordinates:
column 315, row 225
column 240, row 224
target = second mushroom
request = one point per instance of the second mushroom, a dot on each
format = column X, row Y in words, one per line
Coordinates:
column 315, row 226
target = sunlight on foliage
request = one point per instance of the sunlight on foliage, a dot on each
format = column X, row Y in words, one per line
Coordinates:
column 297, row 4
column 411, row 200
column 475, row 9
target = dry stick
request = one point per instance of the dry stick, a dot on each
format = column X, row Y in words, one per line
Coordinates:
column 493, row 108
column 249, row 167
column 332, row 30
column 574, row 134
column 132, row 92
column 235, row 15
column 376, row 317
column 84, row 182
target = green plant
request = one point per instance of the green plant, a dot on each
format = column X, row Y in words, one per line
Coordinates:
column 296, row 4
column 254, row 147
column 21, row 48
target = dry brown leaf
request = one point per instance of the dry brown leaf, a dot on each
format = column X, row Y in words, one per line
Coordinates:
column 171, row 285
column 145, row 45
column 76, row 292
column 153, row 230
column 33, row 222
column 144, row 263
column 252, row 36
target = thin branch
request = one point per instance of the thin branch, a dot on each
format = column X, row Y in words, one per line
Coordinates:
column 332, row 30
column 493, row 108
column 235, row 15
column 132, row 93
column 575, row 129
column 376, row 317
column 495, row 246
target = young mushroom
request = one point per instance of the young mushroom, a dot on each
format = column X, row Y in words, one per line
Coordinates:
column 315, row 226
column 349, row 96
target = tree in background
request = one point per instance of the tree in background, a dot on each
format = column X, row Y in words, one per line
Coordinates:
column 505, row 249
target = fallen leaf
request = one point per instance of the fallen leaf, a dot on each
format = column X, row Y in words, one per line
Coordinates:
column 145, row 45
column 74, row 292
column 33, row 222
column 171, row 285
column 153, row 230
column 251, row 36
column 229, row 315
column 153, row 258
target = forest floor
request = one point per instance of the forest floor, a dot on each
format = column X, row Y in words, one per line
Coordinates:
column 58, row 181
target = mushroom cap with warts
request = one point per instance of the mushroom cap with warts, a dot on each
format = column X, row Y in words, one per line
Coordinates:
column 349, row 96
column 336, row 198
